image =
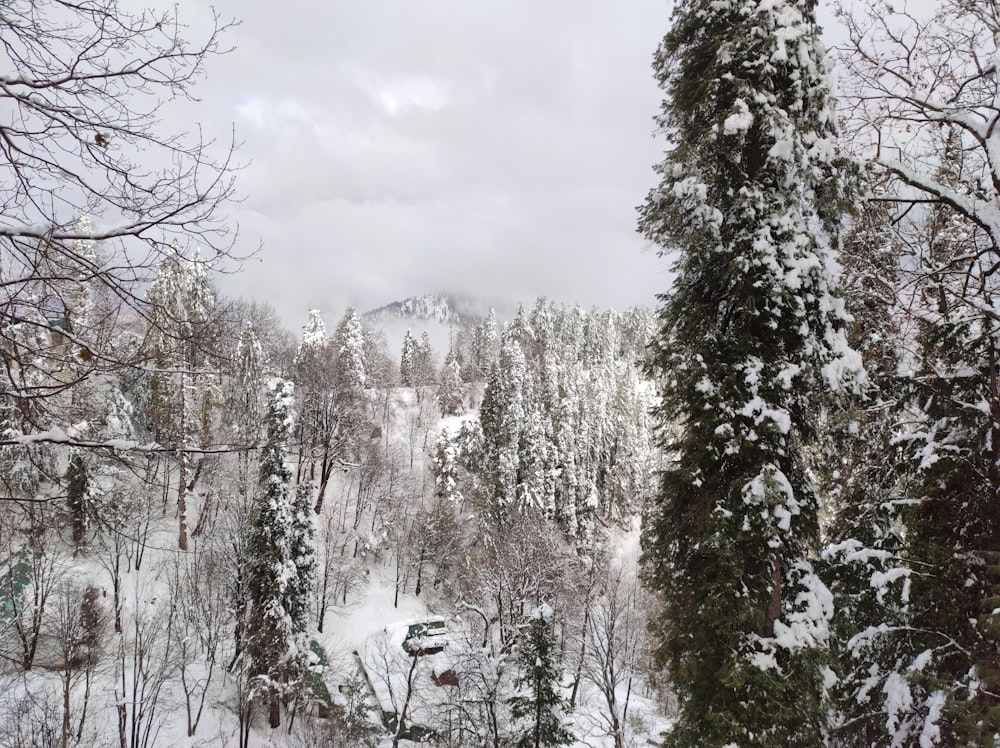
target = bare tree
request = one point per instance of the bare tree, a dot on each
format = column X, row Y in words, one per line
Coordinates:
column 77, row 626
column 614, row 637
column 197, row 589
column 921, row 85
column 33, row 575
column 83, row 83
column 397, row 673
column 145, row 663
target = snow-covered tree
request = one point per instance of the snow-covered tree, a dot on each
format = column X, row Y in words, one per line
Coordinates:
column 407, row 360
column 502, row 417
column 281, row 566
column 537, row 705
column 245, row 405
column 864, row 562
column 182, row 302
column 77, row 496
column 81, row 107
column 924, row 102
column 482, row 349
column 751, row 343
column 349, row 342
column 450, row 394
column 424, row 374
column 329, row 377
column 350, row 378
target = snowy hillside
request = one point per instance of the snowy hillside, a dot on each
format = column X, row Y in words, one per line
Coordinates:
column 447, row 309
column 441, row 315
column 368, row 571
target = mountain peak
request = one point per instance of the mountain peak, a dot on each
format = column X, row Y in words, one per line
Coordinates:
column 445, row 309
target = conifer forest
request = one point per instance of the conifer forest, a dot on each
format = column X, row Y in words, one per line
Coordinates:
column 762, row 510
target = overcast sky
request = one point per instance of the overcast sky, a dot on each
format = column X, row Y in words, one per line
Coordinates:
column 495, row 149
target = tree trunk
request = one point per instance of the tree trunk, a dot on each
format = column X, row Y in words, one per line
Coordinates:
column 773, row 612
column 182, row 538
column 274, row 711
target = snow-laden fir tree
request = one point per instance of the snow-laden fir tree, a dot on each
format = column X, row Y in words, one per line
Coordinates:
column 751, row 342
column 350, row 378
column 537, row 706
column 450, row 391
column 244, row 413
column 482, row 349
column 864, row 562
column 349, row 342
column 946, row 682
column 423, row 362
column 407, row 360
column 281, row 566
column 502, row 416
column 182, row 301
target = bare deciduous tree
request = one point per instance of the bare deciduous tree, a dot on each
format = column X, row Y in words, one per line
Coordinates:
column 92, row 191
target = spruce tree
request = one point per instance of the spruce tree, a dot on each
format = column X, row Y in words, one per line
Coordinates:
column 537, row 705
column 751, row 343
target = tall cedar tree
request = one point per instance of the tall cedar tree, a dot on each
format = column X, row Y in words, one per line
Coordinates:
column 282, row 565
column 751, row 343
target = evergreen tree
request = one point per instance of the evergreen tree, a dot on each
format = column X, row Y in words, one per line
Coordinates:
column 482, row 349
column 537, row 706
column 182, row 301
column 423, row 362
column 349, row 342
column 502, row 416
column 281, row 566
column 450, row 393
column 407, row 360
column 751, row 341
column 865, row 564
column 77, row 486
column 350, row 378
column 245, row 402
column 949, row 429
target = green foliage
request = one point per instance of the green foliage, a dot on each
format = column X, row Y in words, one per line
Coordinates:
column 77, row 485
column 282, row 563
column 751, row 345
column 537, row 706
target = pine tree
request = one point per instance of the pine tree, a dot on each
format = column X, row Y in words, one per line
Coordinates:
column 536, row 707
column 750, row 344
